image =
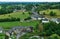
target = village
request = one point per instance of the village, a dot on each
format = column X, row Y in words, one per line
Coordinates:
column 19, row 31
column 30, row 21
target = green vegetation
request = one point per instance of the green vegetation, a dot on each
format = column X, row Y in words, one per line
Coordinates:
column 28, row 35
column 34, row 38
column 52, row 13
column 51, row 28
column 2, row 36
column 57, row 11
column 15, row 15
column 12, row 15
column 8, row 25
column 54, row 36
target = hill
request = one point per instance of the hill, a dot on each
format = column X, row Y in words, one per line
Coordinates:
column 8, row 25
column 47, row 12
column 15, row 15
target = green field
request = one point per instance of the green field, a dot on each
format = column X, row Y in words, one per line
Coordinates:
column 57, row 11
column 2, row 36
column 15, row 23
column 8, row 25
column 20, row 15
column 16, row 15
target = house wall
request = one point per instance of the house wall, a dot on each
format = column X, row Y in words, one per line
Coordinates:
column 45, row 21
column 57, row 22
column 33, row 18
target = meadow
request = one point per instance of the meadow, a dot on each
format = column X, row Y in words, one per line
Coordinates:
column 47, row 12
column 8, row 25
column 57, row 11
column 14, row 23
column 15, row 15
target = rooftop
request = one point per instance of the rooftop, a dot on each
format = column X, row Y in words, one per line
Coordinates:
column 58, row 19
column 45, row 19
column 37, row 16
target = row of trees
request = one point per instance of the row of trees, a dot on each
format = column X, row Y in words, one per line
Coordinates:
column 10, row 8
column 9, row 19
column 51, row 13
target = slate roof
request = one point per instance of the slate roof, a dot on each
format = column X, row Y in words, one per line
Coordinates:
column 1, row 28
column 37, row 16
column 53, row 19
column 45, row 19
column 34, row 13
column 58, row 19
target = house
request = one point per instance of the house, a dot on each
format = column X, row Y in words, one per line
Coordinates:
column 35, row 13
column 53, row 19
column 15, row 10
column 58, row 20
column 1, row 30
column 20, row 29
column 29, row 29
column 45, row 20
column 37, row 17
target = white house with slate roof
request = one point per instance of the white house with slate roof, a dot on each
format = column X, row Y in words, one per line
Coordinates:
column 45, row 20
column 53, row 19
column 37, row 17
column 58, row 20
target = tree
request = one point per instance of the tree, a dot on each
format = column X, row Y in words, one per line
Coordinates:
column 44, row 13
column 52, row 13
column 40, row 27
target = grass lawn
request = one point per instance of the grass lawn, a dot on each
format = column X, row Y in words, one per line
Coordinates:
column 8, row 25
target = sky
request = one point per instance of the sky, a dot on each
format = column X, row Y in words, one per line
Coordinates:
column 29, row 0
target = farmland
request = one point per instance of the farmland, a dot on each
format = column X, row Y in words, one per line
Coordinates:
column 16, row 23
column 22, row 16
column 57, row 11
column 8, row 25
column 36, row 16
column 15, row 14
column 47, row 12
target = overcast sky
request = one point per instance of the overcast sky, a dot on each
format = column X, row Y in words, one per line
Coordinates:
column 29, row 0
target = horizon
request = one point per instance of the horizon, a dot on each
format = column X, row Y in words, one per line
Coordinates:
column 29, row 0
